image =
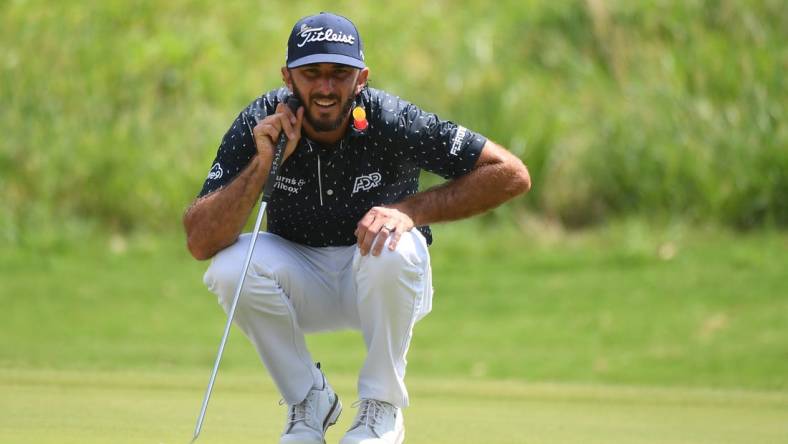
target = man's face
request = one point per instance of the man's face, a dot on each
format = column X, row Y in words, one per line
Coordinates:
column 327, row 92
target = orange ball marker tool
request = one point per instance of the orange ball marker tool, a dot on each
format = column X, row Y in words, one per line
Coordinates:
column 360, row 118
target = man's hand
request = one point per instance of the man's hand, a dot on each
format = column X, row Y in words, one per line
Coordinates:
column 266, row 132
column 378, row 225
column 214, row 221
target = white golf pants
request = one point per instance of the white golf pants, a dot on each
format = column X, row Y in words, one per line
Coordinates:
column 293, row 289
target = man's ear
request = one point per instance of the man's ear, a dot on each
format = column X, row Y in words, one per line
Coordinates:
column 361, row 81
column 287, row 79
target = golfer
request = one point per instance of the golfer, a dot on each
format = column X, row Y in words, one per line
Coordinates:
column 347, row 240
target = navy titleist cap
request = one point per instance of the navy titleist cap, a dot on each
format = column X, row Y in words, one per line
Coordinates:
column 324, row 38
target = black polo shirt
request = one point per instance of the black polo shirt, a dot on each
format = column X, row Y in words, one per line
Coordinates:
column 321, row 192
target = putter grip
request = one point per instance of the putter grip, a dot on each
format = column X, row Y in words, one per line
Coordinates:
column 279, row 152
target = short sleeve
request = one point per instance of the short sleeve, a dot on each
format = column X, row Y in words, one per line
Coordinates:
column 234, row 154
column 237, row 147
column 439, row 146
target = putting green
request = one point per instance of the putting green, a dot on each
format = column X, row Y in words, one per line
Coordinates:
column 60, row 406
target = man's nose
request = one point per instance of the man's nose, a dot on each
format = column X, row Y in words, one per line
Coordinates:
column 325, row 85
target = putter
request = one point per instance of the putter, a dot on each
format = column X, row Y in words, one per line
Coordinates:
column 293, row 103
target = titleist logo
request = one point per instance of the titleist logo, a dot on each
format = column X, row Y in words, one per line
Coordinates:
column 320, row 35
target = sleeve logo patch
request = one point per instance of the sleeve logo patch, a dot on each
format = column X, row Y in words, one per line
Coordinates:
column 456, row 143
column 216, row 172
column 367, row 182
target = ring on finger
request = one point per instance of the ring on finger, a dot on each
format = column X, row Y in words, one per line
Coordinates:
column 389, row 228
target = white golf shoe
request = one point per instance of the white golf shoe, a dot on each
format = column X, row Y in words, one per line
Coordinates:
column 307, row 422
column 377, row 422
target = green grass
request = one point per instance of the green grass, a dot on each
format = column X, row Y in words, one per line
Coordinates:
column 597, row 307
column 624, row 334
column 41, row 407
column 668, row 110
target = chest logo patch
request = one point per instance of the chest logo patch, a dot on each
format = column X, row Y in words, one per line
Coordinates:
column 367, row 182
column 216, row 172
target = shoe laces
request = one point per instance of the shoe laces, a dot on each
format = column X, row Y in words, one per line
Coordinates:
column 303, row 411
column 370, row 413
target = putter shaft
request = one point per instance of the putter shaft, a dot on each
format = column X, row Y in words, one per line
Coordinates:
column 293, row 103
column 230, row 315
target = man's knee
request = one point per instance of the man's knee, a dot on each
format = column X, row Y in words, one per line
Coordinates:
column 222, row 275
column 408, row 261
column 260, row 289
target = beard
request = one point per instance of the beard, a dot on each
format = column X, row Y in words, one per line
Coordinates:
column 324, row 125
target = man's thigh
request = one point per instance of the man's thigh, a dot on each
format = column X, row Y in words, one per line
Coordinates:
column 309, row 277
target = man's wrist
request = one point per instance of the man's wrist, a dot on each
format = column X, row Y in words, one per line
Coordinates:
column 264, row 161
column 406, row 208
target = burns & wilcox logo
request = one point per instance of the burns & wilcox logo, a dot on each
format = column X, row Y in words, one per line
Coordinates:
column 292, row 186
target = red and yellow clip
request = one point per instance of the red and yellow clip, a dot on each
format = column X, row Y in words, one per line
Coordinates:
column 360, row 119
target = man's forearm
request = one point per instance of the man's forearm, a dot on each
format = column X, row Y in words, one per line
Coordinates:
column 498, row 177
column 214, row 221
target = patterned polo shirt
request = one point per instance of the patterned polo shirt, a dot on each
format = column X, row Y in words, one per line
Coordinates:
column 321, row 192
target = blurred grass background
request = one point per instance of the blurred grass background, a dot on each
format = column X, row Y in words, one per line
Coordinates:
column 666, row 109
